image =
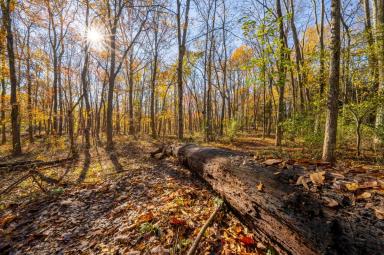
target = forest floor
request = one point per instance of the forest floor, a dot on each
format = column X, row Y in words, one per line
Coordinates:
column 129, row 203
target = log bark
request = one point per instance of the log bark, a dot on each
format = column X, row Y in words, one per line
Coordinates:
column 288, row 217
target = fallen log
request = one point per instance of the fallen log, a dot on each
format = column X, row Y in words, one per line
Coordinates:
column 33, row 164
column 288, row 217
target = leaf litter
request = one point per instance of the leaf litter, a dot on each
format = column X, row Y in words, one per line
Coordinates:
column 152, row 207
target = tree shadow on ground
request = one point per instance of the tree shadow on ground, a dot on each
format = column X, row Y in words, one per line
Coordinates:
column 86, row 164
column 115, row 160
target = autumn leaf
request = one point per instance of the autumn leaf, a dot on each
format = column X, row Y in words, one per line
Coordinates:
column 367, row 185
column 260, row 187
column 352, row 186
column 177, row 222
column 272, row 162
column 317, row 178
column 247, row 240
column 379, row 212
column 330, row 202
column 7, row 218
column 302, row 181
column 146, row 217
column 364, row 195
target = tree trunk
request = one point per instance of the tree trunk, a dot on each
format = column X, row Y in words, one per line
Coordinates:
column 372, row 58
column 29, row 87
column 85, row 84
column 181, row 38
column 280, row 213
column 329, row 146
column 281, row 78
column 130, row 96
column 358, row 138
column 380, row 57
column 111, row 87
column 153, row 83
column 15, row 118
column 2, row 117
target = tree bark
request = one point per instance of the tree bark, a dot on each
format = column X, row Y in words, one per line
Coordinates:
column 29, row 87
column 181, row 38
column 281, row 214
column 329, row 146
column 281, row 78
column 15, row 118
column 85, row 85
column 2, row 113
column 380, row 57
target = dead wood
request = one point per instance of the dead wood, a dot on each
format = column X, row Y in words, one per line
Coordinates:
column 292, row 219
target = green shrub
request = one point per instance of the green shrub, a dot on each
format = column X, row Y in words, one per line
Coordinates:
column 233, row 129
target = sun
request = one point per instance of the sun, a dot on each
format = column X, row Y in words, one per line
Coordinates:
column 95, row 38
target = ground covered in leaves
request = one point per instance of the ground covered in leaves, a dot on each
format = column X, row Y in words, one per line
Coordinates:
column 119, row 203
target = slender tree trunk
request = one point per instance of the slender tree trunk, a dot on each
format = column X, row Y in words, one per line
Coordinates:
column 329, row 146
column 15, row 118
column 281, row 78
column 181, row 37
column 85, row 85
column 29, row 88
column 153, row 85
column 111, row 87
column 358, row 138
column 131, row 124
column 2, row 113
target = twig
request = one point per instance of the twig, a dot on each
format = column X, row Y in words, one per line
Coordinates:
column 13, row 185
column 193, row 248
column 38, row 184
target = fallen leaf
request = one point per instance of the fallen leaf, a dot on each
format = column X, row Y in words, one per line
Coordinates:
column 367, row 185
column 72, row 203
column 379, row 212
column 302, row 181
column 146, row 217
column 261, row 246
column 177, row 222
column 272, row 162
column 247, row 240
column 238, row 229
column 260, row 187
column 7, row 218
column 352, row 186
column 364, row 195
column 330, row 202
column 381, row 184
column 317, row 178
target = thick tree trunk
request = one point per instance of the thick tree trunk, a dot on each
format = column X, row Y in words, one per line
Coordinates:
column 329, row 146
column 380, row 59
column 16, row 143
column 372, row 59
column 282, row 214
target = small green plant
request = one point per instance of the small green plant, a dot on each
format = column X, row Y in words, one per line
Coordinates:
column 57, row 191
column 233, row 129
column 149, row 228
